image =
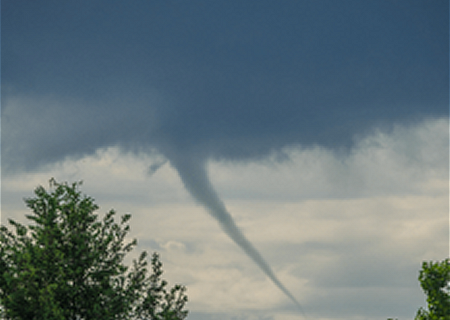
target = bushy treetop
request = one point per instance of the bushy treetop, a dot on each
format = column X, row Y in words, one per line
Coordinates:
column 68, row 265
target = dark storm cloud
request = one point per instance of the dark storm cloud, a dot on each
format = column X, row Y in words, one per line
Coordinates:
column 225, row 79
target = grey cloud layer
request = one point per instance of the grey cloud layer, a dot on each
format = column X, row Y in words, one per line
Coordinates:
column 224, row 79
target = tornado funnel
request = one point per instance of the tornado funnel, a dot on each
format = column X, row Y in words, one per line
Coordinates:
column 193, row 173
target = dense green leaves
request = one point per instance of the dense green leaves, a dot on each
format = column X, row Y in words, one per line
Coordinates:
column 68, row 265
column 435, row 281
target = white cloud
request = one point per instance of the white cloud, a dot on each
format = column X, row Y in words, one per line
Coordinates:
column 384, row 163
column 345, row 233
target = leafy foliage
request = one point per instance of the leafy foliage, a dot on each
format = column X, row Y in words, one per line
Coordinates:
column 435, row 281
column 68, row 265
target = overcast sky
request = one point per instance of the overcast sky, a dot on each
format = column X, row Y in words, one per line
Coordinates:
column 317, row 131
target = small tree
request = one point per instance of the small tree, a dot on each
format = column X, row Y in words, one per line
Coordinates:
column 435, row 281
column 68, row 265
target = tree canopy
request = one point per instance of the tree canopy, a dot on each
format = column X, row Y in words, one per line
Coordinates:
column 435, row 281
column 69, row 265
column 434, row 278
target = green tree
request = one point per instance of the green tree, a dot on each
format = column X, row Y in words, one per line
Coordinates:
column 435, row 281
column 68, row 265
